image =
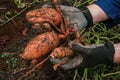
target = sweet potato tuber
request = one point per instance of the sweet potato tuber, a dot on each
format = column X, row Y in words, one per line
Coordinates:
column 61, row 52
column 40, row 45
column 42, row 15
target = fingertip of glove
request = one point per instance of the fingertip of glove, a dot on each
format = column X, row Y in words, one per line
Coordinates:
column 76, row 47
column 70, row 44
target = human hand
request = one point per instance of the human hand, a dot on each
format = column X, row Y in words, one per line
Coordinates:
column 88, row 56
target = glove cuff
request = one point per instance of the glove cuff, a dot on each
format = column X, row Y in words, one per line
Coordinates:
column 87, row 15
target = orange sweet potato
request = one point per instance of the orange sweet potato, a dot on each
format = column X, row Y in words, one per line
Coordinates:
column 42, row 15
column 40, row 45
column 61, row 52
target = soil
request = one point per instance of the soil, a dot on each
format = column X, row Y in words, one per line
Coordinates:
column 13, row 42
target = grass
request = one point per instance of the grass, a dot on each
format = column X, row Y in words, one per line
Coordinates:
column 98, row 34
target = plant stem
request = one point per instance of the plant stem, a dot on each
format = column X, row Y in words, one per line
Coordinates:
column 110, row 74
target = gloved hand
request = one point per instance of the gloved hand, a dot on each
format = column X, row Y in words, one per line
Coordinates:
column 88, row 56
column 81, row 18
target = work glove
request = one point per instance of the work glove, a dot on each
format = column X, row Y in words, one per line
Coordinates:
column 88, row 56
column 78, row 17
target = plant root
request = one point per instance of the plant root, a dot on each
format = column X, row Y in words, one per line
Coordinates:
column 33, row 69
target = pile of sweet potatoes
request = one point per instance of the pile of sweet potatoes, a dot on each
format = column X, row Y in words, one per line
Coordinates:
column 47, row 43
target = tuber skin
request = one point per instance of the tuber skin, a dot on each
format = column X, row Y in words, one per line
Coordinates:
column 40, row 45
column 61, row 52
column 40, row 16
column 44, row 15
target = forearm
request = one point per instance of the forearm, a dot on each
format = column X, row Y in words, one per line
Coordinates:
column 97, row 13
column 103, row 8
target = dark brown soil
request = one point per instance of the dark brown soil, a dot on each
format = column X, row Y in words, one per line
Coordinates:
column 13, row 42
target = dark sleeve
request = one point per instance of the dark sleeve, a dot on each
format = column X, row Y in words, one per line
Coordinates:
column 112, row 9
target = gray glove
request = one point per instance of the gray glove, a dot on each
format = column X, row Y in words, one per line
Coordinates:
column 73, row 62
column 88, row 56
column 74, row 16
